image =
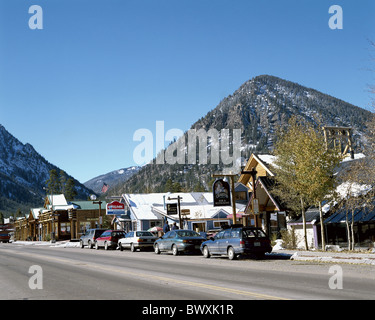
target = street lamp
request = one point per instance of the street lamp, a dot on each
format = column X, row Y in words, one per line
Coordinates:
column 93, row 198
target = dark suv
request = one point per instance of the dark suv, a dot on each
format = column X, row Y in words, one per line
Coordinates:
column 236, row 240
column 88, row 239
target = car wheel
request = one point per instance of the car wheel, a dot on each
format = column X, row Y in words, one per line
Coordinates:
column 132, row 248
column 174, row 250
column 231, row 253
column 81, row 244
column 156, row 249
column 206, row 252
column 96, row 245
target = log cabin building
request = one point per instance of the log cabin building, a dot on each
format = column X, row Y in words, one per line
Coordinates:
column 59, row 220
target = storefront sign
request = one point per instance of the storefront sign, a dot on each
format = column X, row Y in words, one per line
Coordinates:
column 115, row 208
column 171, row 208
column 221, row 193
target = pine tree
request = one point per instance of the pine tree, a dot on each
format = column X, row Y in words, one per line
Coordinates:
column 70, row 191
column 168, row 186
column 62, row 181
column 53, row 183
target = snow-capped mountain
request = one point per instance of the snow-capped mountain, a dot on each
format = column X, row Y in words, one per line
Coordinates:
column 104, row 182
column 23, row 174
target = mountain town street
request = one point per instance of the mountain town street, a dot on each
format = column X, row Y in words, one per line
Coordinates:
column 75, row 274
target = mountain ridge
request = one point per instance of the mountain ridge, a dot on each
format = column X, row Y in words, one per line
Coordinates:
column 111, row 178
column 257, row 107
column 23, row 175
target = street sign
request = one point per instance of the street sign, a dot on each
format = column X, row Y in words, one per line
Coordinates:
column 221, row 193
column 171, row 208
column 115, row 208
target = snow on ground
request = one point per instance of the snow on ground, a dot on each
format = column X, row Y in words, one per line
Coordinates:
column 58, row 244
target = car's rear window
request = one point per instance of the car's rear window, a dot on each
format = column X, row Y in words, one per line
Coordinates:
column 143, row 234
column 253, row 233
column 187, row 233
column 117, row 234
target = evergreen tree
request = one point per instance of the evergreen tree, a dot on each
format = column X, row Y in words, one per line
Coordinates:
column 62, row 181
column 53, row 183
column 168, row 186
column 70, row 191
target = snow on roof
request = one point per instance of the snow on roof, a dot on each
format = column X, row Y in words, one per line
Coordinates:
column 57, row 200
column 267, row 158
column 35, row 212
column 347, row 189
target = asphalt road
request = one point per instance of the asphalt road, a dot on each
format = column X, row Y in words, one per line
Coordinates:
column 80, row 274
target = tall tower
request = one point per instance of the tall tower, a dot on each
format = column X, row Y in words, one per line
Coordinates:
column 339, row 137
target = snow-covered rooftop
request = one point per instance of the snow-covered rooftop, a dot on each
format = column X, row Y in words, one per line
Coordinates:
column 151, row 206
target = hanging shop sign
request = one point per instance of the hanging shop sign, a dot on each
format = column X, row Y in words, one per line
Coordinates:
column 221, row 193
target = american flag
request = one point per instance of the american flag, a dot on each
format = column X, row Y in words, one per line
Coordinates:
column 105, row 188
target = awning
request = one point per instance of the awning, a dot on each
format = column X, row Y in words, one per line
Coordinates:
column 238, row 215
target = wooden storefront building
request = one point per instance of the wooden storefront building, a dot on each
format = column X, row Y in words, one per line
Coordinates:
column 59, row 220
column 263, row 209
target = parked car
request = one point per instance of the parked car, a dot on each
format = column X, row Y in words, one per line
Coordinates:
column 237, row 240
column 137, row 240
column 5, row 237
column 88, row 239
column 179, row 241
column 109, row 239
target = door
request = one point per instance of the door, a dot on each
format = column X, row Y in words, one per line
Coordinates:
column 214, row 245
column 169, row 241
column 225, row 241
column 163, row 242
column 103, row 238
column 127, row 239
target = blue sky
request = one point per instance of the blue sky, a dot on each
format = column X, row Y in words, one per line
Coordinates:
column 78, row 89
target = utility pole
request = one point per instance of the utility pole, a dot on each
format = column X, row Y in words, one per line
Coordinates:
column 178, row 208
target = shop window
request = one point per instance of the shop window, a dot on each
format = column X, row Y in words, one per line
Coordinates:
column 220, row 224
column 65, row 228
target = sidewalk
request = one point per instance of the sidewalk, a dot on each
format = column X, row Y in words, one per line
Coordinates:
column 329, row 256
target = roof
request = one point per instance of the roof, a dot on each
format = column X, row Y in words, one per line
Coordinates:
column 57, row 200
column 312, row 216
column 363, row 214
column 35, row 212
column 267, row 184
